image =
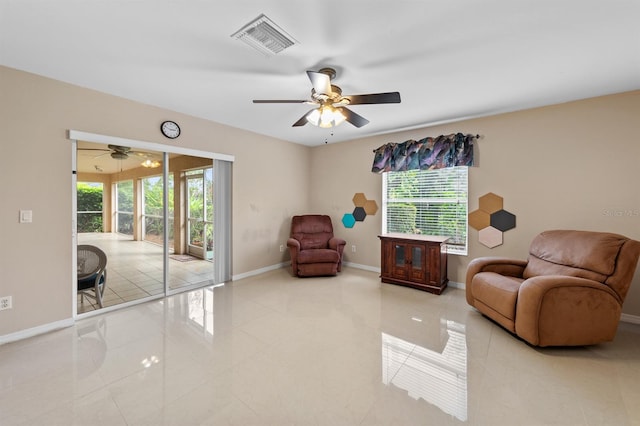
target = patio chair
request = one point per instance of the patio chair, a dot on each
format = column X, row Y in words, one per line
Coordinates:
column 92, row 273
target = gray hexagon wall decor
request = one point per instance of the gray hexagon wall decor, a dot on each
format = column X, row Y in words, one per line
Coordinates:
column 503, row 220
column 359, row 214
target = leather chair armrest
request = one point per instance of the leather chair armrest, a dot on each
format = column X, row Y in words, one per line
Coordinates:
column 533, row 290
column 550, row 306
column 499, row 265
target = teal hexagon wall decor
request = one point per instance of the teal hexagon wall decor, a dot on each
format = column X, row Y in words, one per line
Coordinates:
column 348, row 220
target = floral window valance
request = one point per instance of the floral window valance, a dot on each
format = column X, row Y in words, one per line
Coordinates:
column 425, row 154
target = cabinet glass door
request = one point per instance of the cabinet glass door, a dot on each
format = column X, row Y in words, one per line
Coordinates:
column 400, row 257
column 416, row 257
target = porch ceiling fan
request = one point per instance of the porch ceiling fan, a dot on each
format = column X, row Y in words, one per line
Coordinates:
column 332, row 105
column 118, row 152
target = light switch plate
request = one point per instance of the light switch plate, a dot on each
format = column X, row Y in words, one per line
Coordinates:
column 26, row 216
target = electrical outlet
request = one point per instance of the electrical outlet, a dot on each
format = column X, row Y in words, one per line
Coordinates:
column 353, row 248
column 5, row 303
column 26, row 216
column 281, row 248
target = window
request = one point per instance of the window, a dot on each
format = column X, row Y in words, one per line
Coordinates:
column 124, row 207
column 428, row 202
column 89, row 196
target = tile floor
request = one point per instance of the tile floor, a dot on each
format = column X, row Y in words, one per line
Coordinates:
column 135, row 270
column 277, row 350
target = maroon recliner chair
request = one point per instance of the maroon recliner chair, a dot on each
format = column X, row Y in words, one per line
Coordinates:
column 313, row 248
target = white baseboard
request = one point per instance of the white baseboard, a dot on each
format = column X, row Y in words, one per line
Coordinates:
column 288, row 264
column 632, row 319
column 260, row 271
column 41, row 329
column 454, row 284
column 359, row 266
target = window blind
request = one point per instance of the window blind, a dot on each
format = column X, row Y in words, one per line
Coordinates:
column 428, row 202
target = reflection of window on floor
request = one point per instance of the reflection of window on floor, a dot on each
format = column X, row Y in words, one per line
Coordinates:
column 438, row 378
column 89, row 196
column 201, row 309
column 124, row 207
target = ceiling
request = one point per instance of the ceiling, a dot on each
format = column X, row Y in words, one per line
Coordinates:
column 449, row 59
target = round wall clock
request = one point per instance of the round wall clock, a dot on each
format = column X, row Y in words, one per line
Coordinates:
column 170, row 129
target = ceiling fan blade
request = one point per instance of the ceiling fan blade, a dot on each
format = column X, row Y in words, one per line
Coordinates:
column 279, row 101
column 93, row 149
column 119, row 148
column 303, row 120
column 353, row 118
column 119, row 155
column 375, row 98
column 321, row 82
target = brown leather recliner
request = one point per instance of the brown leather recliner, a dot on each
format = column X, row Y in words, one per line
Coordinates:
column 313, row 248
column 569, row 292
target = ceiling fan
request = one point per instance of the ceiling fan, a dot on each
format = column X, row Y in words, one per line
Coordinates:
column 332, row 108
column 117, row 152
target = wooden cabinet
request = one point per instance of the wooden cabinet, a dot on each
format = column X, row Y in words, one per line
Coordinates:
column 414, row 260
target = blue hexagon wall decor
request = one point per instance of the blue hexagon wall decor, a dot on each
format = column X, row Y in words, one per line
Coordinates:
column 348, row 220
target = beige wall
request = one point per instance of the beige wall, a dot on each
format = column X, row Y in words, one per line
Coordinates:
column 573, row 166
column 565, row 166
column 35, row 165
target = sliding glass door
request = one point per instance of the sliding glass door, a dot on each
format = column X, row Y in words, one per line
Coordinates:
column 192, row 264
column 158, row 220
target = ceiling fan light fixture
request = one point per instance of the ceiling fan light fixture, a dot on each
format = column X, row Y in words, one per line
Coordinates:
column 265, row 36
column 152, row 164
column 314, row 117
column 326, row 117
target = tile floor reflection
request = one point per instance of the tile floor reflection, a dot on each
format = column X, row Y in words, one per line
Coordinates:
column 135, row 270
column 278, row 350
column 437, row 377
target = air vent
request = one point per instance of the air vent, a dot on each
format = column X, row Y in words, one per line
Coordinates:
column 265, row 36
